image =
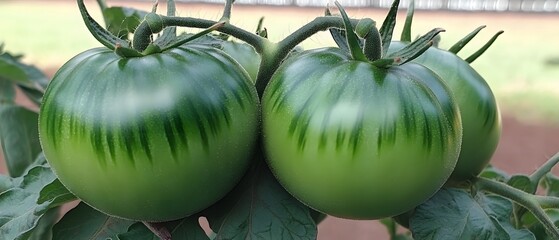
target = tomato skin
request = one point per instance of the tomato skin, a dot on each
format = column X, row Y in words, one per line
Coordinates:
column 154, row 138
column 355, row 141
column 480, row 113
column 245, row 55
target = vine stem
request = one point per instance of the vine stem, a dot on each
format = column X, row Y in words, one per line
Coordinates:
column 227, row 11
column 272, row 53
column 142, row 35
column 159, row 230
column 536, row 176
column 528, row 201
column 275, row 53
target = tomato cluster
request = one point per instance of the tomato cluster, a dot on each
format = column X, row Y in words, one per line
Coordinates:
column 165, row 135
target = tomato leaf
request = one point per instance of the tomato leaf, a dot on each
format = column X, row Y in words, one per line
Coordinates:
column 491, row 172
column 56, row 193
column 189, row 229
column 465, row 217
column 523, row 183
column 185, row 229
column 20, row 213
column 392, row 228
column 551, row 184
column 530, row 221
column 43, row 230
column 9, row 69
column 259, row 208
column 12, row 69
column 121, row 21
column 19, row 137
column 84, row 222
column 33, row 94
column 138, row 231
column 7, row 92
column 5, row 183
column 27, row 77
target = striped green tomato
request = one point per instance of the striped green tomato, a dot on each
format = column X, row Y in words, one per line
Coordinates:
column 356, row 141
column 481, row 117
column 245, row 55
column 153, row 138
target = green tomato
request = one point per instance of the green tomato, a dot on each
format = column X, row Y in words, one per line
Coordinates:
column 481, row 119
column 245, row 55
column 356, row 141
column 152, row 138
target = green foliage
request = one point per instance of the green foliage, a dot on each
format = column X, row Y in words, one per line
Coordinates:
column 259, row 208
column 25, row 209
column 465, row 217
column 84, row 222
column 18, row 128
column 121, row 21
column 19, row 137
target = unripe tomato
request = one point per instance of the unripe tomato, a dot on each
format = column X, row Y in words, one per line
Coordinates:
column 357, row 141
column 481, row 119
column 152, row 138
column 245, row 55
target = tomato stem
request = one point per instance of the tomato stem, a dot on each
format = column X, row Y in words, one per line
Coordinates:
column 227, row 11
column 169, row 34
column 159, row 230
column 537, row 175
column 272, row 53
column 275, row 52
column 528, row 201
column 373, row 45
column 548, row 201
column 142, row 35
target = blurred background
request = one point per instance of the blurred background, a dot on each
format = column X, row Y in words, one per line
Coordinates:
column 522, row 66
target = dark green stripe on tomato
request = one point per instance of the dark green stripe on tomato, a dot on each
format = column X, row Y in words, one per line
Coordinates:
column 356, row 141
column 478, row 107
column 119, row 130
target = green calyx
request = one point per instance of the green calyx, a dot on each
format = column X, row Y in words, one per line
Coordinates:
column 406, row 36
column 143, row 43
column 367, row 43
